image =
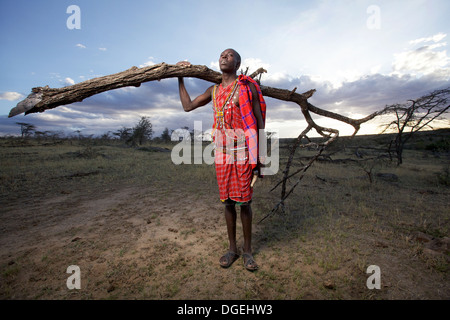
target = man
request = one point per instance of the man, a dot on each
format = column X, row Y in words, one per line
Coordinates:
column 239, row 114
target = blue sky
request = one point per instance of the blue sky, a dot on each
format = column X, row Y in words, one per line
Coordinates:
column 359, row 55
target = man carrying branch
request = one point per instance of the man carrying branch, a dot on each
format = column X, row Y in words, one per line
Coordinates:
column 239, row 121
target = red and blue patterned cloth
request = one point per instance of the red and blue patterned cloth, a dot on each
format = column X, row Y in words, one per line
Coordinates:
column 248, row 117
column 234, row 170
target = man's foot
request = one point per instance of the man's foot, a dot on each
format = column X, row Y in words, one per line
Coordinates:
column 249, row 262
column 228, row 259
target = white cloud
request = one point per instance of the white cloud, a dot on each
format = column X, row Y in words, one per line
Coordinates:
column 10, row 96
column 149, row 62
column 214, row 66
column 424, row 60
column 79, row 45
column 436, row 38
column 102, row 49
column 68, row 81
column 375, row 69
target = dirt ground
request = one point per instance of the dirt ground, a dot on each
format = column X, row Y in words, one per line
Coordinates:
column 121, row 240
column 149, row 242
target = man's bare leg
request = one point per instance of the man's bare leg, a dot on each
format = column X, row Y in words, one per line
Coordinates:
column 232, row 254
column 230, row 218
column 246, row 218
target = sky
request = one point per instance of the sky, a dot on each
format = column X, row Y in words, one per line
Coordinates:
column 359, row 55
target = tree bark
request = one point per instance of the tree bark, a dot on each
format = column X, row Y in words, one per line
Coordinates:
column 45, row 98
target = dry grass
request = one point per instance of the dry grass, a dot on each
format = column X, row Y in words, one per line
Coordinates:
column 141, row 227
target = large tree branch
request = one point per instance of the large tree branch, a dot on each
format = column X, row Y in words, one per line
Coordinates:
column 45, row 98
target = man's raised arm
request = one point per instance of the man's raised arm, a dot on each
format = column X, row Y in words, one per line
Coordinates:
column 200, row 101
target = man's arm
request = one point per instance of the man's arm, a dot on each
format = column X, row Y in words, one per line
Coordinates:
column 188, row 104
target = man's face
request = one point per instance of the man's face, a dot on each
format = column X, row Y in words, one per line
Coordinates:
column 228, row 61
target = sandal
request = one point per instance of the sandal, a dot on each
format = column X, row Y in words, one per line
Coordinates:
column 249, row 262
column 227, row 259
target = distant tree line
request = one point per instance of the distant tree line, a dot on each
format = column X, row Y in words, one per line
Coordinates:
column 137, row 135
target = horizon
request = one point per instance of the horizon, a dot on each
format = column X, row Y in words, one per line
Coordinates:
column 110, row 134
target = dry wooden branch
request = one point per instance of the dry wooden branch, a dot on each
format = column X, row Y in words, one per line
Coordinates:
column 45, row 98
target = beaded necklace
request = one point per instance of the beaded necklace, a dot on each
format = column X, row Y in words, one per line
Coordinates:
column 220, row 119
column 238, row 148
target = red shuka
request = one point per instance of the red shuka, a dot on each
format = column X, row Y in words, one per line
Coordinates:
column 233, row 170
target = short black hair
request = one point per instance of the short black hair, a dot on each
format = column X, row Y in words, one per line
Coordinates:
column 238, row 57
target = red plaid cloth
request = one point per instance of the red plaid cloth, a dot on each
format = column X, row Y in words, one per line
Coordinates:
column 233, row 179
column 233, row 171
column 249, row 119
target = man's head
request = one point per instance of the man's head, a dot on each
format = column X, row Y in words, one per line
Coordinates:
column 229, row 61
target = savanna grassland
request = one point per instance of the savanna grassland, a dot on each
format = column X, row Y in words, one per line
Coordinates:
column 141, row 227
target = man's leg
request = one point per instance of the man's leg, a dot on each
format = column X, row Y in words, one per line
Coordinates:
column 246, row 218
column 230, row 217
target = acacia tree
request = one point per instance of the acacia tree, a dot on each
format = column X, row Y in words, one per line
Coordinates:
column 123, row 133
column 141, row 132
column 165, row 135
column 413, row 116
column 26, row 129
